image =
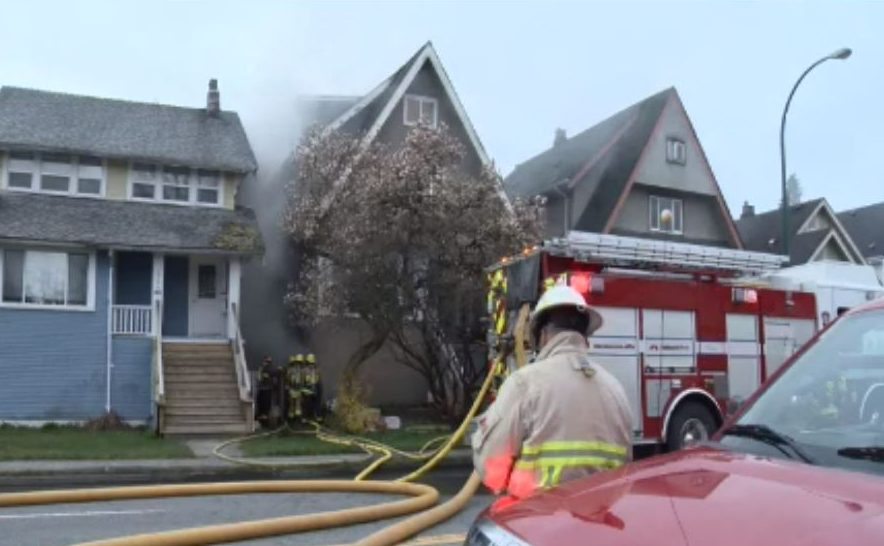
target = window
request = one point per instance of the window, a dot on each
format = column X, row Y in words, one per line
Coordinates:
column 666, row 215
column 208, row 184
column 180, row 185
column 55, row 173
column 41, row 278
column 176, row 184
column 420, row 110
column 676, row 151
column 206, row 281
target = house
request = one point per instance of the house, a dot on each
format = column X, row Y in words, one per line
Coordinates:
column 866, row 227
column 815, row 233
column 121, row 252
column 641, row 172
column 420, row 89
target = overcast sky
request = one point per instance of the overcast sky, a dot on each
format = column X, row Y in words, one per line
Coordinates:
column 520, row 68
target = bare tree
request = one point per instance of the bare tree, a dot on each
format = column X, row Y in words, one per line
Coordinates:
column 403, row 245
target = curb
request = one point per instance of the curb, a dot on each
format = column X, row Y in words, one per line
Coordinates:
column 42, row 474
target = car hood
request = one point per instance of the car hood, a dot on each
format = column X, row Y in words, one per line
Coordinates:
column 705, row 496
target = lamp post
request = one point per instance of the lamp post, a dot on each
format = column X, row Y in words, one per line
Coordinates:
column 840, row 54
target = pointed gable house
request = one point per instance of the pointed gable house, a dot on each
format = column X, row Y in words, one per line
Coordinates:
column 419, row 90
column 641, row 172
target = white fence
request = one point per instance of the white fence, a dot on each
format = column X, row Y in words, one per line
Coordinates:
column 132, row 320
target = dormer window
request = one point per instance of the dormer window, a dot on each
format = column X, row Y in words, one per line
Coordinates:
column 55, row 173
column 179, row 185
column 419, row 109
column 676, row 151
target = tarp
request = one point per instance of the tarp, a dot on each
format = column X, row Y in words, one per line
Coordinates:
column 523, row 281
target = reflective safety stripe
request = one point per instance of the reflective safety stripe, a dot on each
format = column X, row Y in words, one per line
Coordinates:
column 554, row 447
column 569, row 462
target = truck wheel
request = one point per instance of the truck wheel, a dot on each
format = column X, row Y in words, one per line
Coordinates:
column 692, row 422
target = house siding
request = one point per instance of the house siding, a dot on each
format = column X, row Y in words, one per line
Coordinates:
column 131, row 377
column 701, row 219
column 53, row 363
column 117, row 179
column 426, row 83
column 231, row 187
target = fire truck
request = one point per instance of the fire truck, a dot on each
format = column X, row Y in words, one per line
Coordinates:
column 689, row 330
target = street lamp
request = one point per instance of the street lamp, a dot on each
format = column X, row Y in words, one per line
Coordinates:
column 840, row 55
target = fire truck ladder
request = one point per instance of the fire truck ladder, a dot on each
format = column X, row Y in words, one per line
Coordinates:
column 617, row 251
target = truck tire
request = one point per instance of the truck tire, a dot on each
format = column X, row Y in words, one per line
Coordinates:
column 691, row 422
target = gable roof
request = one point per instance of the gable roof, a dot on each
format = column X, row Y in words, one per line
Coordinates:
column 27, row 217
column 36, row 120
column 866, row 227
column 620, row 139
column 763, row 232
column 368, row 115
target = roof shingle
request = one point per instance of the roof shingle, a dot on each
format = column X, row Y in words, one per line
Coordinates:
column 47, row 121
column 866, row 227
column 29, row 217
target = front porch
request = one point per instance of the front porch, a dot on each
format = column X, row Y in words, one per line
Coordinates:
column 185, row 306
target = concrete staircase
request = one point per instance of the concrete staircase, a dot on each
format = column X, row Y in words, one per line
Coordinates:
column 202, row 397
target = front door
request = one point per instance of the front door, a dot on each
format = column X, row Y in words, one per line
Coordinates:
column 208, row 297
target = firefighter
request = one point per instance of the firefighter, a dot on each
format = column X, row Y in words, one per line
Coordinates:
column 294, row 383
column 559, row 419
column 264, row 402
column 312, row 389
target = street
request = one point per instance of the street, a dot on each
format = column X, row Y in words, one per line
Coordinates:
column 65, row 524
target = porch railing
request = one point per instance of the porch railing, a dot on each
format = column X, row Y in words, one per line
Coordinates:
column 132, row 320
column 243, row 380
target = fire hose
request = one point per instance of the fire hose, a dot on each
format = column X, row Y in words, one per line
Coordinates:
column 421, row 506
column 423, row 498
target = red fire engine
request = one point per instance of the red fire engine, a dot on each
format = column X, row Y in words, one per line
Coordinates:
column 688, row 330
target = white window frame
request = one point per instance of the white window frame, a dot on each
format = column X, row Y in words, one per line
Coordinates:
column 656, row 204
column 90, row 281
column 674, row 145
column 37, row 174
column 421, row 102
column 193, row 187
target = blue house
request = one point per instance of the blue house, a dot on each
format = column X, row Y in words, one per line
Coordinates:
column 121, row 251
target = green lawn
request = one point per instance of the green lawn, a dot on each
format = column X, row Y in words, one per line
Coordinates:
column 70, row 443
column 291, row 444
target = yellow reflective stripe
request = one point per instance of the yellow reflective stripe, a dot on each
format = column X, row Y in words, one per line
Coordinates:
column 572, row 462
column 548, row 447
column 557, row 474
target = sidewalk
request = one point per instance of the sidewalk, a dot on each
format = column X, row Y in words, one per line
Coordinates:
column 22, row 475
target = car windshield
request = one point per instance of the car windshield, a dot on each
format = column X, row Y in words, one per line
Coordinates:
column 828, row 407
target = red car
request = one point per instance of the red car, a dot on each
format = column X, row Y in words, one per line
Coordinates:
column 801, row 463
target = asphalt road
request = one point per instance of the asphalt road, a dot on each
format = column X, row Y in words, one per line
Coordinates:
column 62, row 525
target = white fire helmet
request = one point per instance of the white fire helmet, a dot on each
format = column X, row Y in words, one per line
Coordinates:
column 564, row 296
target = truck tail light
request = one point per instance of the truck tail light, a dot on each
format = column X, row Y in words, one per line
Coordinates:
column 745, row 295
column 587, row 283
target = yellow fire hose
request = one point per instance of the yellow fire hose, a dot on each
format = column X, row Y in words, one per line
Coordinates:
column 424, row 497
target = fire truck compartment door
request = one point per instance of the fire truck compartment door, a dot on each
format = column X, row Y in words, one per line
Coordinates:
column 743, row 359
column 782, row 337
column 669, row 339
column 615, row 347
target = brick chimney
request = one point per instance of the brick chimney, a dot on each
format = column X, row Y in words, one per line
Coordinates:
column 561, row 137
column 748, row 210
column 213, row 99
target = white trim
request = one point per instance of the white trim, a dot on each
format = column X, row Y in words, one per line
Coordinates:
column 91, row 285
column 421, row 101
column 192, row 187
column 677, row 400
column 38, row 171
column 672, row 201
column 111, row 269
column 829, row 236
column 844, row 237
column 356, row 108
column 220, row 340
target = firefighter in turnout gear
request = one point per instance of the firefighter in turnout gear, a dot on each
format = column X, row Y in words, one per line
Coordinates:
column 559, row 418
column 265, row 401
column 294, row 384
column 312, row 389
